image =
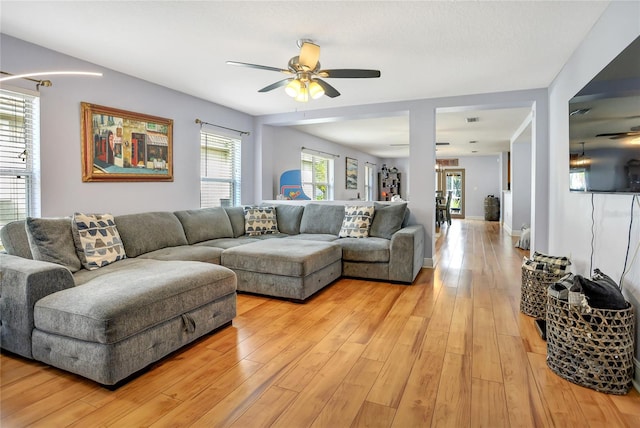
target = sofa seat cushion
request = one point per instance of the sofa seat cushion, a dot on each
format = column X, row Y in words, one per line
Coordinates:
column 323, row 237
column 127, row 297
column 365, row 250
column 186, row 253
column 225, row 243
column 282, row 257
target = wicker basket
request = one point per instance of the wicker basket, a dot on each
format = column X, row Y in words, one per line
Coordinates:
column 591, row 347
column 533, row 294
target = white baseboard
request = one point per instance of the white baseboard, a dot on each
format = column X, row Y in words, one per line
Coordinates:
column 429, row 263
column 636, row 376
column 506, row 227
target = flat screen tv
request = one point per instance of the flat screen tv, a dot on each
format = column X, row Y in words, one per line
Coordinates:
column 604, row 128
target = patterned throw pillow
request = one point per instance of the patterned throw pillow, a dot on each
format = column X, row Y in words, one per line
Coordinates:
column 357, row 221
column 260, row 221
column 97, row 240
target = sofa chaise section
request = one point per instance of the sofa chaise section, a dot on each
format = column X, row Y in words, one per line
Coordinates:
column 129, row 314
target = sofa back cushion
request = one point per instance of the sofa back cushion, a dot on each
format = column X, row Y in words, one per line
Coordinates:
column 236, row 217
column 205, row 224
column 14, row 239
column 145, row 232
column 289, row 217
column 320, row 218
column 51, row 240
column 387, row 220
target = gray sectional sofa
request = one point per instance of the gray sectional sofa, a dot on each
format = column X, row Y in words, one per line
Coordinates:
column 178, row 280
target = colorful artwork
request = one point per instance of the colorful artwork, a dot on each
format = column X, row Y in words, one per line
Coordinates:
column 118, row 145
column 351, row 173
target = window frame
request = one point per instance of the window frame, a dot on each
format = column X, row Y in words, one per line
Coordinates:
column 234, row 178
column 19, row 139
column 311, row 187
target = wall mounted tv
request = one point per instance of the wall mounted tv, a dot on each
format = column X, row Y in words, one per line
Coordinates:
column 604, row 128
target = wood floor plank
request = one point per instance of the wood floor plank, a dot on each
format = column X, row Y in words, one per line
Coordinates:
column 452, row 349
column 372, row 415
column 486, row 356
column 310, row 402
column 557, row 394
column 453, row 403
column 488, row 404
column 266, row 409
column 418, row 400
column 345, row 403
column 460, row 339
column 522, row 395
column 389, row 386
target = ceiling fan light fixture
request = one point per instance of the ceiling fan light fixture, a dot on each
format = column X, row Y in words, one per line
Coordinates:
column 303, row 94
column 315, row 90
column 293, row 88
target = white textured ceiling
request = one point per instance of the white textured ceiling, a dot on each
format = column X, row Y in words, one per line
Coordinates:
column 424, row 49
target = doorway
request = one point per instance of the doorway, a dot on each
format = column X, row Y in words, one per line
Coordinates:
column 453, row 180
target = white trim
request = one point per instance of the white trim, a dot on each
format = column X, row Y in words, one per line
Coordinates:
column 506, row 227
column 428, row 263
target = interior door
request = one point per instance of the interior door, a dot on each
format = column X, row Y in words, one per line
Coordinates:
column 453, row 180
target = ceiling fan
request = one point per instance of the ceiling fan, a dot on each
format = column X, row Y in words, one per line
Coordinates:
column 633, row 132
column 306, row 74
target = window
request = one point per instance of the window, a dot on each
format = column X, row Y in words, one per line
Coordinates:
column 368, row 182
column 317, row 176
column 19, row 156
column 219, row 170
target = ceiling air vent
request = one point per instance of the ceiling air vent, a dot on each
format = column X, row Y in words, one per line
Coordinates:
column 473, row 119
column 442, row 143
column 473, row 141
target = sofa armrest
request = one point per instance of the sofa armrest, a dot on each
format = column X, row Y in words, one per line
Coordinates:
column 22, row 283
column 406, row 253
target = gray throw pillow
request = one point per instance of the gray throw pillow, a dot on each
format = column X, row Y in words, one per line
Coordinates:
column 289, row 217
column 51, row 240
column 321, row 218
column 236, row 216
column 387, row 220
column 205, row 224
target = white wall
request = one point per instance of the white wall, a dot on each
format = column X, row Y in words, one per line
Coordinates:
column 63, row 191
column 570, row 213
column 482, row 178
column 285, row 145
column 520, row 185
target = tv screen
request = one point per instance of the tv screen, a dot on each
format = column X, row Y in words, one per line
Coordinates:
column 604, row 128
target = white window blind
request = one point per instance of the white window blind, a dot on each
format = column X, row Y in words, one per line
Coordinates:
column 220, row 171
column 19, row 156
column 317, row 176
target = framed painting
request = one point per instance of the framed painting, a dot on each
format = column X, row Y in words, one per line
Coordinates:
column 352, row 173
column 119, row 145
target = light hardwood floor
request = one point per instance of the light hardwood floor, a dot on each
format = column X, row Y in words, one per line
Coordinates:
column 450, row 350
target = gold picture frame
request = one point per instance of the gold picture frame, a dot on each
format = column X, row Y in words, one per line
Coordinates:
column 119, row 145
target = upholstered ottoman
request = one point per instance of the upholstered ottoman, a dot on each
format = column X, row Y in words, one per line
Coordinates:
column 289, row 268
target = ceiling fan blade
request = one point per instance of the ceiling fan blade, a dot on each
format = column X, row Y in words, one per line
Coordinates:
column 260, row 67
column 278, row 84
column 349, row 73
column 329, row 90
column 309, row 55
